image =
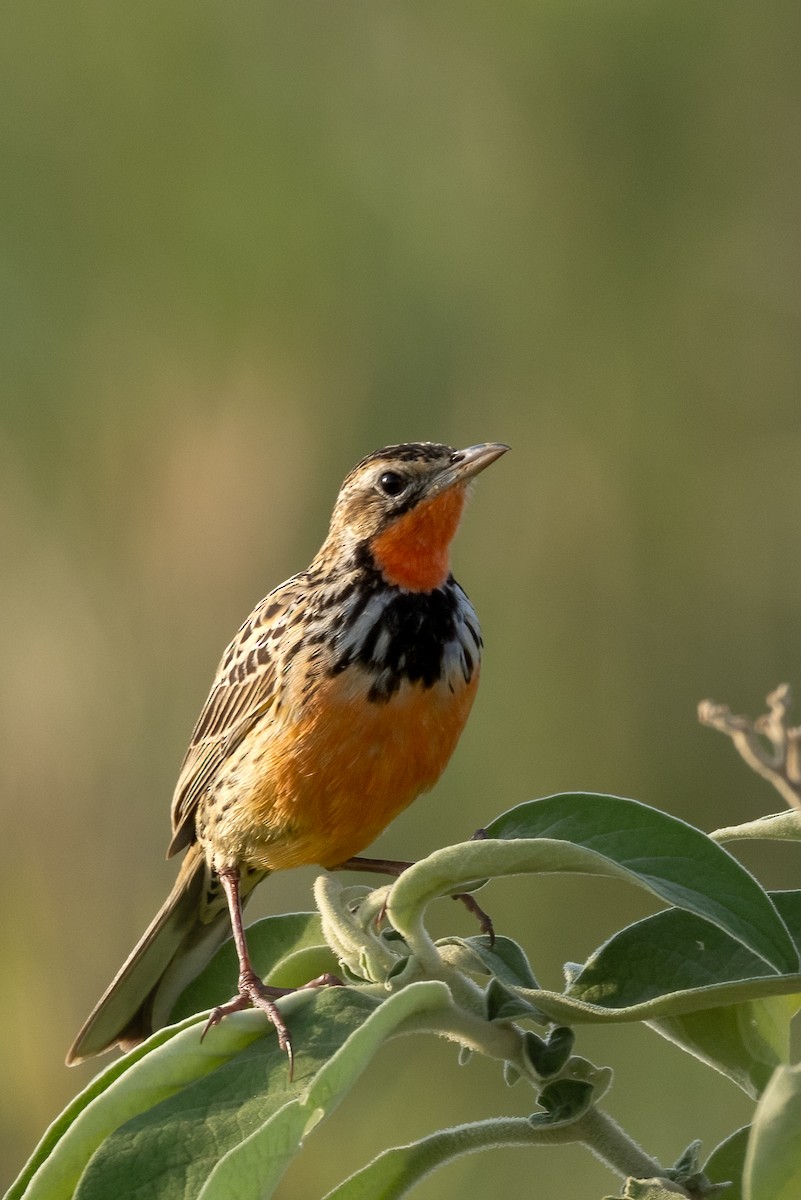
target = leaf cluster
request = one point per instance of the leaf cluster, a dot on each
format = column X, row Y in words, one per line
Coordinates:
column 716, row 971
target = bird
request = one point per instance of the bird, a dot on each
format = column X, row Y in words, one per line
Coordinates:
column 339, row 701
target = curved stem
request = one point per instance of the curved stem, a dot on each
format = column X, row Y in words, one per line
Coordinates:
column 395, row 1172
column 612, row 1145
column 500, row 1040
column 352, row 941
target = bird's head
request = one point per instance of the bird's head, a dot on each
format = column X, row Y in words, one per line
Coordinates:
column 401, row 507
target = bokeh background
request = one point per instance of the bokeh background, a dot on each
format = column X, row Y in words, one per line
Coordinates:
column 242, row 245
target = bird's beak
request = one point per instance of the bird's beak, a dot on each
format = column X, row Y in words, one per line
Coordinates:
column 465, row 464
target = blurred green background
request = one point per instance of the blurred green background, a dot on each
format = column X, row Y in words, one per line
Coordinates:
column 243, row 245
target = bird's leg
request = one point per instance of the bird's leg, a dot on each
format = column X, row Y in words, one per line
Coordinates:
column 396, row 867
column 251, row 991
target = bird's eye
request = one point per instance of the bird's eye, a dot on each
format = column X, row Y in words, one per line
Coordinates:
column 391, row 483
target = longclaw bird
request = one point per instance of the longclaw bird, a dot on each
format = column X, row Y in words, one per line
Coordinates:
column 339, row 701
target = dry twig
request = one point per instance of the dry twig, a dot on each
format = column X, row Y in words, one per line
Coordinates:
column 779, row 761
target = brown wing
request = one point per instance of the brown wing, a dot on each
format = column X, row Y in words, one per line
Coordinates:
column 242, row 692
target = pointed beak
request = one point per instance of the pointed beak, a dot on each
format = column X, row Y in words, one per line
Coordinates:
column 465, row 464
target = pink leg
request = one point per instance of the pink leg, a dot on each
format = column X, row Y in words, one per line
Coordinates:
column 251, row 992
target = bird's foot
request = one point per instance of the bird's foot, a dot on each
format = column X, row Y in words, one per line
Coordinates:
column 253, row 993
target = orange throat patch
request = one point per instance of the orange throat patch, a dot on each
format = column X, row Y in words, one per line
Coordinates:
column 413, row 551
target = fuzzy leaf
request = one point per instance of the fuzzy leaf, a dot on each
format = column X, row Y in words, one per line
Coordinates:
column 604, row 835
column 773, row 1159
column 725, row 1163
column 233, row 1132
column 163, row 1065
column 506, row 959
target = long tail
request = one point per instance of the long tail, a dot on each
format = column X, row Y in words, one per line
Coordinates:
column 190, row 925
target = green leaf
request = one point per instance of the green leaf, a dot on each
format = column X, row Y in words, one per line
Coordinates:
column 501, row 1003
column 603, row 835
column 161, row 1066
column 566, row 1009
column 564, row 1100
column 285, row 950
column 671, row 951
column 400, row 967
column 677, row 862
column 171, row 1147
column 784, row 826
column 745, row 1042
column 505, row 959
column 556, row 1050
column 548, row 1056
column 773, row 1159
column 725, row 1163
column 687, row 1172
column 688, row 1163
column 250, row 1170
column 788, row 906
column 678, row 952
column 511, row 1075
column 668, row 965
column 234, row 1132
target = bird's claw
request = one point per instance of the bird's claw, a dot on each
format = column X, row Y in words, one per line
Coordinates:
column 254, row 994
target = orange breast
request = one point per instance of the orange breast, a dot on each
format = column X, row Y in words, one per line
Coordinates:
column 319, row 789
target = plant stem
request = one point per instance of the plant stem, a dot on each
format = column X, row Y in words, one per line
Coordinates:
column 502, row 1041
column 612, row 1145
